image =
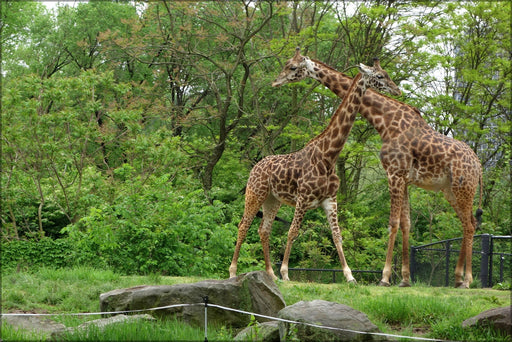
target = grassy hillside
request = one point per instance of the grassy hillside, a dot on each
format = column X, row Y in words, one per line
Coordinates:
column 416, row 311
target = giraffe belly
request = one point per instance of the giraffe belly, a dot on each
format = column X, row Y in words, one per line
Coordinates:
column 433, row 183
column 291, row 200
column 287, row 199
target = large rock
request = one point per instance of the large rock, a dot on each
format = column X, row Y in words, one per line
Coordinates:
column 254, row 292
column 499, row 319
column 328, row 314
column 260, row 332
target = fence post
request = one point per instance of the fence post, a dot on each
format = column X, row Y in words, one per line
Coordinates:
column 491, row 262
column 413, row 264
column 484, row 262
column 502, row 260
column 447, row 264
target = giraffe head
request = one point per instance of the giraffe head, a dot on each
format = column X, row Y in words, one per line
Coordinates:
column 295, row 69
column 377, row 78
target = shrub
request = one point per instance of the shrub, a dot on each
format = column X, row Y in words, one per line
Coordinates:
column 150, row 227
column 45, row 252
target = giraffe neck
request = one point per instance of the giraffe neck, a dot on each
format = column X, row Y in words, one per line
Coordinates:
column 331, row 141
column 382, row 112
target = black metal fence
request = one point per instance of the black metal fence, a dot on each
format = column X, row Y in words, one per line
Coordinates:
column 330, row 275
column 432, row 264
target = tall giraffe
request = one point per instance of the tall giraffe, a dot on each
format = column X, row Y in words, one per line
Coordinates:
column 306, row 178
column 412, row 153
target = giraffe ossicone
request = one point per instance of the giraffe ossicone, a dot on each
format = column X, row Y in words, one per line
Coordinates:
column 306, row 178
column 412, row 153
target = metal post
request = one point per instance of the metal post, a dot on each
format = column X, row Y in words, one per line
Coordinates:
column 502, row 260
column 205, row 300
column 491, row 262
column 484, row 262
column 413, row 264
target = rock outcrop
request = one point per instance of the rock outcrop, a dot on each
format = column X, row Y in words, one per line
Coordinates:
column 319, row 312
column 254, row 292
column 260, row 332
column 499, row 318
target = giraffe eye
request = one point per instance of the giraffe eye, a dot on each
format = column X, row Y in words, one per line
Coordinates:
column 380, row 77
column 293, row 68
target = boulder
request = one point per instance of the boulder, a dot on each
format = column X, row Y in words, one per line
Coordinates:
column 328, row 314
column 261, row 332
column 498, row 318
column 254, row 292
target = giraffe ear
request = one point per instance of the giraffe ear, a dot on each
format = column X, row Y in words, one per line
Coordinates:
column 376, row 63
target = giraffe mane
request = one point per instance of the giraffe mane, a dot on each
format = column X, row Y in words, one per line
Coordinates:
column 332, row 120
column 416, row 110
column 328, row 67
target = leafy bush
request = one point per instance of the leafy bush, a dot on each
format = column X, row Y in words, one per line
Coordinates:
column 150, row 227
column 29, row 253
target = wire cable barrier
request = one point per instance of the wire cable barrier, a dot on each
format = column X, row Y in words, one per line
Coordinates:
column 206, row 305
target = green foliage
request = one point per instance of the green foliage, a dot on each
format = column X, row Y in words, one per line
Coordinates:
column 150, row 228
column 47, row 252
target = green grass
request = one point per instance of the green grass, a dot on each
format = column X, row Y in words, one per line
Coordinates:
column 417, row 311
column 434, row 312
column 166, row 330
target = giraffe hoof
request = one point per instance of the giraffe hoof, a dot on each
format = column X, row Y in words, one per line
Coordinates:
column 384, row 283
column 461, row 285
column 404, row 284
column 352, row 282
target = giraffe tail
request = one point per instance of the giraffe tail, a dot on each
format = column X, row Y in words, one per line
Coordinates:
column 479, row 211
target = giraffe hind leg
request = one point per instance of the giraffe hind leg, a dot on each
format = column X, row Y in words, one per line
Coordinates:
column 292, row 235
column 463, row 208
column 270, row 209
column 252, row 205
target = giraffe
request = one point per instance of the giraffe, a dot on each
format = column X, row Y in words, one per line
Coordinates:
column 412, row 153
column 306, row 178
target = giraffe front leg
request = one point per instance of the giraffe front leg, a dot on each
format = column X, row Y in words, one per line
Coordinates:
column 292, row 235
column 405, row 227
column 386, row 272
column 396, row 189
column 331, row 211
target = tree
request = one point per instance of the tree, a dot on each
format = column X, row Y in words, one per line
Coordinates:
column 468, row 96
column 202, row 73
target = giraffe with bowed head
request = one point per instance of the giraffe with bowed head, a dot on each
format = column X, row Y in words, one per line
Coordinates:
column 412, row 153
column 306, row 179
